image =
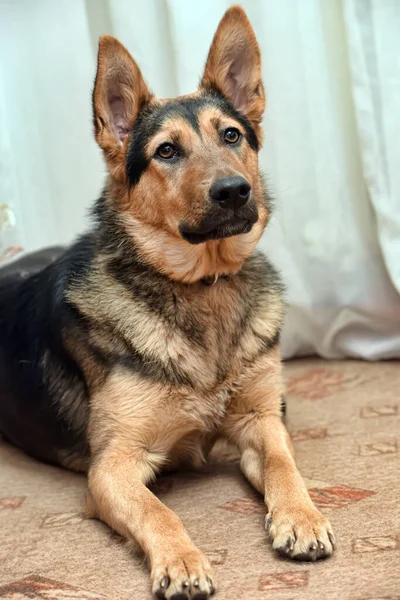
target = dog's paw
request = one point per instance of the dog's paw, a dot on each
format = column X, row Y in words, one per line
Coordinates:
column 182, row 576
column 300, row 533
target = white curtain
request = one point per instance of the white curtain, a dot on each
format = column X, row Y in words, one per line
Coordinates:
column 331, row 153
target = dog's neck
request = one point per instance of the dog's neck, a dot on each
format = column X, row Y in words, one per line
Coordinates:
column 189, row 263
column 168, row 253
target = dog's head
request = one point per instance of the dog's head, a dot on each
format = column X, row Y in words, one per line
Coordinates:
column 184, row 174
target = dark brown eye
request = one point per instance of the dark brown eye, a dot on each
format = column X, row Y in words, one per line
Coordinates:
column 232, row 135
column 166, row 151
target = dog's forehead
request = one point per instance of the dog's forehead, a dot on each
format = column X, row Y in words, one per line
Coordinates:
column 188, row 109
column 185, row 109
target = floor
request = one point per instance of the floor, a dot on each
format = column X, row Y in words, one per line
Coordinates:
column 345, row 422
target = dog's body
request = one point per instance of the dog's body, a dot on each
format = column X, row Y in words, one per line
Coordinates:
column 66, row 328
column 158, row 332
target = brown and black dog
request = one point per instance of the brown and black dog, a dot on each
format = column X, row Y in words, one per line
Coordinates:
column 158, row 332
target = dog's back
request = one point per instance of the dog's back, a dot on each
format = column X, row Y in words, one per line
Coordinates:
column 32, row 312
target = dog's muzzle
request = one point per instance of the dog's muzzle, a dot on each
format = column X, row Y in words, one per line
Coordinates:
column 231, row 212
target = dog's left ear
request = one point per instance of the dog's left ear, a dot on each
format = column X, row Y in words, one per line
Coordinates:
column 234, row 65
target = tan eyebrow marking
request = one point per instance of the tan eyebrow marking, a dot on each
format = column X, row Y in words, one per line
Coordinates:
column 174, row 130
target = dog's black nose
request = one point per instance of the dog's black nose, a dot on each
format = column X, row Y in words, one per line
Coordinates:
column 230, row 192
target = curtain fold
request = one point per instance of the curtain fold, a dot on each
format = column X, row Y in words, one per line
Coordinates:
column 374, row 48
column 332, row 141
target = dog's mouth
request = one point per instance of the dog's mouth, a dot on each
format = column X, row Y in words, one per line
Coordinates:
column 211, row 229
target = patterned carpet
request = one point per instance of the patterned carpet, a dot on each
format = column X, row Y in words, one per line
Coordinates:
column 345, row 422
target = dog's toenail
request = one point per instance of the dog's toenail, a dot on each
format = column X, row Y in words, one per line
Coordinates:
column 164, row 583
column 196, row 583
column 284, row 550
column 321, row 546
column 212, row 588
column 331, row 539
column 186, row 584
column 268, row 522
column 313, row 547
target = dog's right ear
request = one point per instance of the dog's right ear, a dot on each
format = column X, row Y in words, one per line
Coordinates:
column 119, row 94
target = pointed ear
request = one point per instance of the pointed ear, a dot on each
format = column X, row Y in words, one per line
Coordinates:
column 234, row 65
column 119, row 94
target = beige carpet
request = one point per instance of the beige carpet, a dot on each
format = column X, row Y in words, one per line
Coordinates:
column 344, row 418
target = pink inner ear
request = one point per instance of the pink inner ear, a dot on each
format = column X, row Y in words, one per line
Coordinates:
column 118, row 118
column 238, row 78
column 238, row 90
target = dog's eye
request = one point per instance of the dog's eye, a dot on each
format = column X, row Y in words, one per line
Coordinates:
column 232, row 135
column 167, row 151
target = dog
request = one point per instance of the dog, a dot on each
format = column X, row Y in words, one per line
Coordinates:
column 157, row 333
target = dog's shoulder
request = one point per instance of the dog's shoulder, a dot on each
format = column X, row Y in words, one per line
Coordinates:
column 258, row 272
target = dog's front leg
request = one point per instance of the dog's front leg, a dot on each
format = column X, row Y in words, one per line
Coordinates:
column 126, row 455
column 254, row 423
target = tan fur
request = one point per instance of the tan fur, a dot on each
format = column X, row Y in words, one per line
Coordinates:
column 184, row 262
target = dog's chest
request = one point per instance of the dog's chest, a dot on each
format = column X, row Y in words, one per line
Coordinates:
column 200, row 343
column 195, row 337
column 204, row 411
